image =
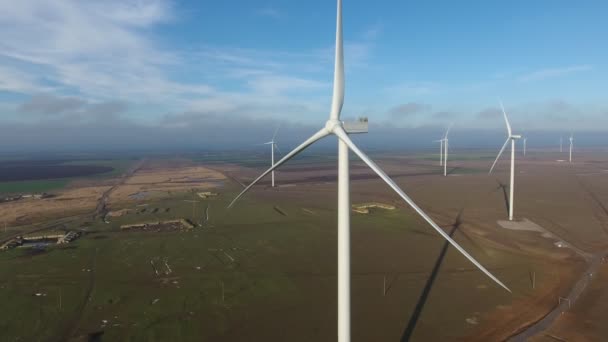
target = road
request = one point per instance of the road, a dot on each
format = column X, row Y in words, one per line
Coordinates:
column 101, row 209
column 564, row 304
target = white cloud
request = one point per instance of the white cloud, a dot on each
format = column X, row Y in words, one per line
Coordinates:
column 98, row 49
column 543, row 74
column 104, row 51
column 14, row 80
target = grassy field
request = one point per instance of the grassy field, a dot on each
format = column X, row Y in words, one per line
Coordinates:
column 119, row 166
column 45, row 185
column 246, row 272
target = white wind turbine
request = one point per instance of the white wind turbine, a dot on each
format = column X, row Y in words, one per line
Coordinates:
column 525, row 141
column 440, row 141
column 511, row 137
column 445, row 154
column 337, row 127
column 571, row 143
column 273, row 145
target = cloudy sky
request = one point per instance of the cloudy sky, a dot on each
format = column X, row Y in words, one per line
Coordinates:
column 142, row 73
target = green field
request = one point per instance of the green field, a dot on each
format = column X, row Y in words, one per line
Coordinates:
column 250, row 271
column 120, row 166
column 44, row 185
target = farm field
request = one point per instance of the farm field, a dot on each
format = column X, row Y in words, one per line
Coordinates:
column 271, row 260
column 28, row 176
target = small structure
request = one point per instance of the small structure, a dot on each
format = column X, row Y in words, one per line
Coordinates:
column 119, row 213
column 41, row 240
column 207, row 194
column 69, row 237
column 364, row 208
column 13, row 243
column 170, row 225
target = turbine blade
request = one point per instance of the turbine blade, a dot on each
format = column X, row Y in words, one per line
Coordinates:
column 506, row 119
column 275, row 132
column 344, row 137
column 447, row 131
column 499, row 153
column 277, row 148
column 320, row 134
column 338, row 96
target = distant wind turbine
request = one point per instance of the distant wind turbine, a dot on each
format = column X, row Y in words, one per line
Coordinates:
column 440, row 141
column 511, row 137
column 561, row 144
column 571, row 143
column 525, row 141
column 272, row 144
column 338, row 128
column 445, row 155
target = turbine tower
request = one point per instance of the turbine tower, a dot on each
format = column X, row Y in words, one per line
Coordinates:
column 511, row 137
column 273, row 145
column 440, row 141
column 525, row 141
column 561, row 144
column 445, row 154
column 334, row 126
column 571, row 143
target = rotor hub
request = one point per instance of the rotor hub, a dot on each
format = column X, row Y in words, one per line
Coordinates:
column 332, row 124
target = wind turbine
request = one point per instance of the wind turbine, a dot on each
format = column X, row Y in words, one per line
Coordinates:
column 272, row 144
column 440, row 141
column 525, row 141
column 561, row 144
column 334, row 126
column 445, row 155
column 511, row 137
column 571, row 143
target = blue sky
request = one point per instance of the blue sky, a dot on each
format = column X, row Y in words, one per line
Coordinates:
column 176, row 64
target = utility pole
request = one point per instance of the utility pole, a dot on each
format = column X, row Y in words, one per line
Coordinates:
column 384, row 287
column 222, row 291
column 193, row 209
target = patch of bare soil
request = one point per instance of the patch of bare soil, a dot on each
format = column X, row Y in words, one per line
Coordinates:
column 68, row 202
column 163, row 181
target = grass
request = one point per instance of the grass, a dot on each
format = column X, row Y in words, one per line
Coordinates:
column 283, row 273
column 43, row 185
column 120, row 166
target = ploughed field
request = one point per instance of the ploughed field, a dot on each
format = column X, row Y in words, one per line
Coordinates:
column 25, row 176
column 10, row 173
column 266, row 269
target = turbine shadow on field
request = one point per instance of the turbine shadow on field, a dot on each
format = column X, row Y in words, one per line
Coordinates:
column 504, row 193
column 411, row 326
column 452, row 170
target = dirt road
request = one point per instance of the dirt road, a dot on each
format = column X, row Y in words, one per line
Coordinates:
column 101, row 209
column 565, row 303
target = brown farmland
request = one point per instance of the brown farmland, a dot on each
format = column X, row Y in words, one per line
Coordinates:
column 276, row 252
column 565, row 199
